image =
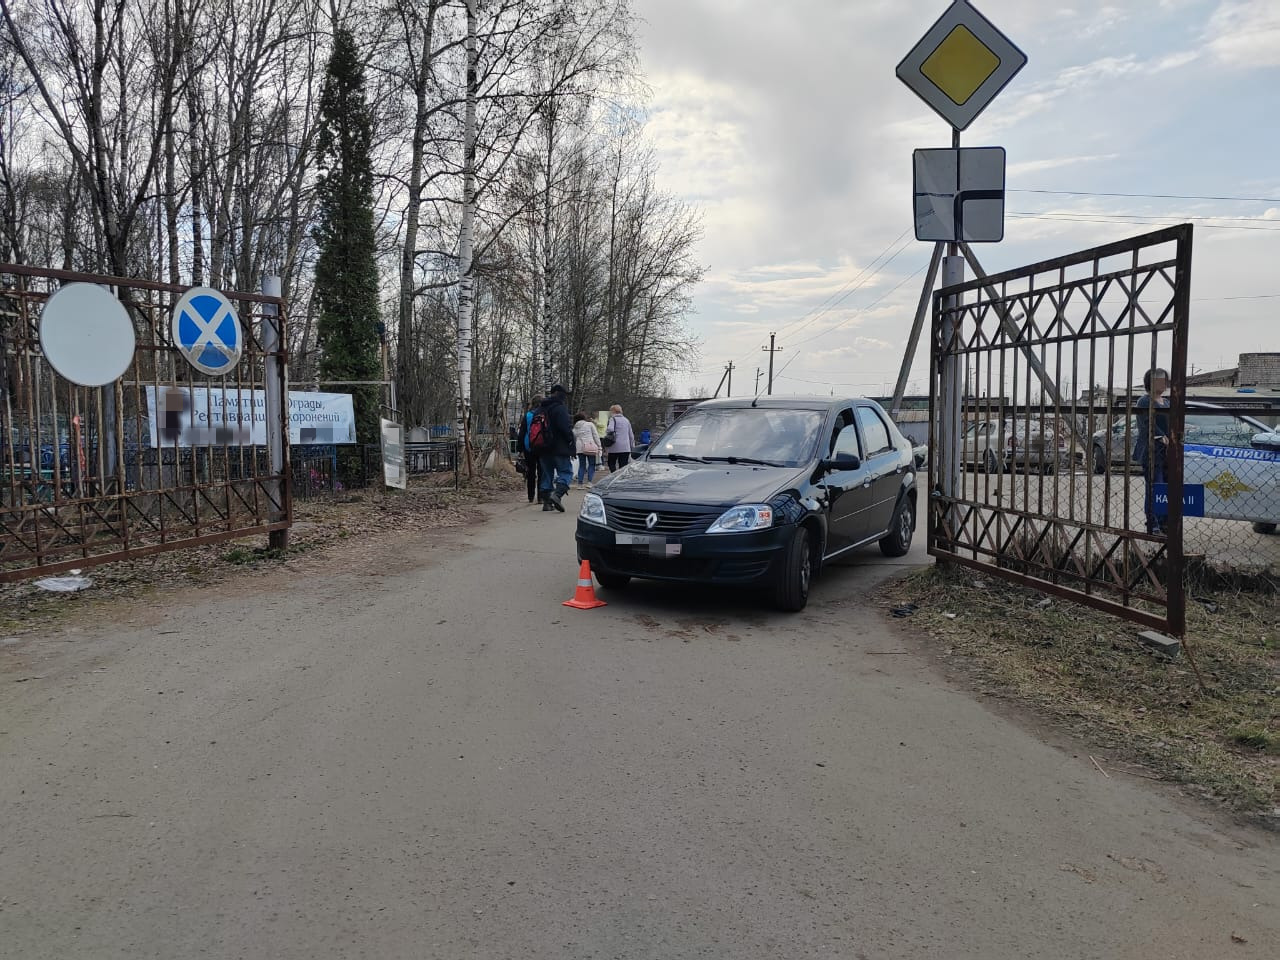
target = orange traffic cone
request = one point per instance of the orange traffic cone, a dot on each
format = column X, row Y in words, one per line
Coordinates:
column 585, row 597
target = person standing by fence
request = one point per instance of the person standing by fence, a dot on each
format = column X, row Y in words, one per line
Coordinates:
column 1151, row 444
column 619, row 439
column 587, row 442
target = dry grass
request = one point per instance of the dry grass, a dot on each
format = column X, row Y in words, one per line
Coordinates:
column 1089, row 671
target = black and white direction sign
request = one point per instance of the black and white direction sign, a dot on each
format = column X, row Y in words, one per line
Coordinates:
column 959, row 195
column 207, row 331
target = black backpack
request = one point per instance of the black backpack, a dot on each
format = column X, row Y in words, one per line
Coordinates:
column 539, row 432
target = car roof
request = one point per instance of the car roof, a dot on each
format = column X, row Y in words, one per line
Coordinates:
column 780, row 403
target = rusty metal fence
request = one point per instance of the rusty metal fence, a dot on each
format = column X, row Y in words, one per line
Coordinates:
column 91, row 474
column 1050, row 363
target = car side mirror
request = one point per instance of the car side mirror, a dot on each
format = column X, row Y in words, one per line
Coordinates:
column 841, row 461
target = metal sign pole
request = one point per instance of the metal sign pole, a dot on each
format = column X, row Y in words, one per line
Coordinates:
column 275, row 387
column 950, row 426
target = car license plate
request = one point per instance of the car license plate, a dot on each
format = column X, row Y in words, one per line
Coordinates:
column 657, row 546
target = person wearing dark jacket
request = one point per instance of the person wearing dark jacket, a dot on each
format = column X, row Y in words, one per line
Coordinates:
column 557, row 472
column 532, row 463
column 1151, row 444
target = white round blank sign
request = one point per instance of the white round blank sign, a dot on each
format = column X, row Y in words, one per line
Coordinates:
column 86, row 335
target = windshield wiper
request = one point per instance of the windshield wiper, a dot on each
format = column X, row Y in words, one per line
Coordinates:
column 678, row 456
column 751, row 461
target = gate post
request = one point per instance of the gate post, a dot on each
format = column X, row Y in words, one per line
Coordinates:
column 950, row 421
column 275, row 374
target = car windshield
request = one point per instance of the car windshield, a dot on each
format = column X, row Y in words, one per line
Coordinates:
column 748, row 434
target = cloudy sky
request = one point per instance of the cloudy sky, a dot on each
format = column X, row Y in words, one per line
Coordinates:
column 785, row 125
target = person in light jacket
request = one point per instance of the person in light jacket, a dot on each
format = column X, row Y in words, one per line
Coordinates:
column 587, row 442
column 624, row 439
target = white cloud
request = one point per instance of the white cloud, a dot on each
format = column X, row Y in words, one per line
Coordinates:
column 1055, row 163
column 1246, row 33
column 1103, row 22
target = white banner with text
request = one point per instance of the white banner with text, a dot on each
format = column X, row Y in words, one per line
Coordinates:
column 200, row 416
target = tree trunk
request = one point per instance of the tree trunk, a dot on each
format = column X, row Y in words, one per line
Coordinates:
column 548, row 270
column 466, row 292
column 413, row 213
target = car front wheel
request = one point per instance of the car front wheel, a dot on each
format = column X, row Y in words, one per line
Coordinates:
column 792, row 590
column 1099, row 460
column 1262, row 527
column 992, row 463
column 897, row 541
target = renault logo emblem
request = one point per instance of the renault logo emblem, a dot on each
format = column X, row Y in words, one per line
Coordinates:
column 651, row 521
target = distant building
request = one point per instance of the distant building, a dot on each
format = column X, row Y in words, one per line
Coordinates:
column 1253, row 370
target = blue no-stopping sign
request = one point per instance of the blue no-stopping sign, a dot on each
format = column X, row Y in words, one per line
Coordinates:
column 207, row 331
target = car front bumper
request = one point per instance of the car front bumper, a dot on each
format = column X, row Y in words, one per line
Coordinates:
column 728, row 558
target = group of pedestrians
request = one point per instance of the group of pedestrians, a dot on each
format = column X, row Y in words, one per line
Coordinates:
column 549, row 439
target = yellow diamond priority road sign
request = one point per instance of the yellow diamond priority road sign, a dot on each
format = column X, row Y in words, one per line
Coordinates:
column 961, row 64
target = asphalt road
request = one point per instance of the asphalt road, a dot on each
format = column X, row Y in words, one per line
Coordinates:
column 416, row 752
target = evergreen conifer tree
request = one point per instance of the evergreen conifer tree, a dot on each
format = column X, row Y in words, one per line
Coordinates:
column 346, row 270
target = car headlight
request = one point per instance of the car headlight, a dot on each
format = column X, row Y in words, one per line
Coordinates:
column 748, row 516
column 592, row 509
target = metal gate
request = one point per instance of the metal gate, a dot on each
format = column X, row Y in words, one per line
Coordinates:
column 86, row 476
column 1039, row 372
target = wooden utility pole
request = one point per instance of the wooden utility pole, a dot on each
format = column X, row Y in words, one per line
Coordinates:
column 771, row 349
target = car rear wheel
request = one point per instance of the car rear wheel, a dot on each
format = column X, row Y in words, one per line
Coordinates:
column 1261, row 527
column 897, row 541
column 612, row 581
column 1099, row 460
column 792, row 591
column 991, row 463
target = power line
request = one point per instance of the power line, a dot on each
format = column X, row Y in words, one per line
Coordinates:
column 875, row 303
column 1136, row 223
column 1150, row 196
column 844, row 292
column 885, row 296
column 831, row 302
column 1256, row 296
column 1150, row 216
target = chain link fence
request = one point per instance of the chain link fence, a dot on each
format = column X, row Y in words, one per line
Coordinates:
column 1231, row 483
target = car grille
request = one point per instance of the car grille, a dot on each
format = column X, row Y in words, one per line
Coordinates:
column 670, row 523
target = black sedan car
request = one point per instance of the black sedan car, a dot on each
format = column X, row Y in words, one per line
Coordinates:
column 758, row 493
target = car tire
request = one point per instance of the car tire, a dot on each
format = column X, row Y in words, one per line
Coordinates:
column 897, row 541
column 1262, row 527
column 1099, row 460
column 612, row 581
column 791, row 592
column 991, row 463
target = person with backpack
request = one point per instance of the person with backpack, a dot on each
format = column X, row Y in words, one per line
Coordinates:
column 551, row 439
column 532, row 463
